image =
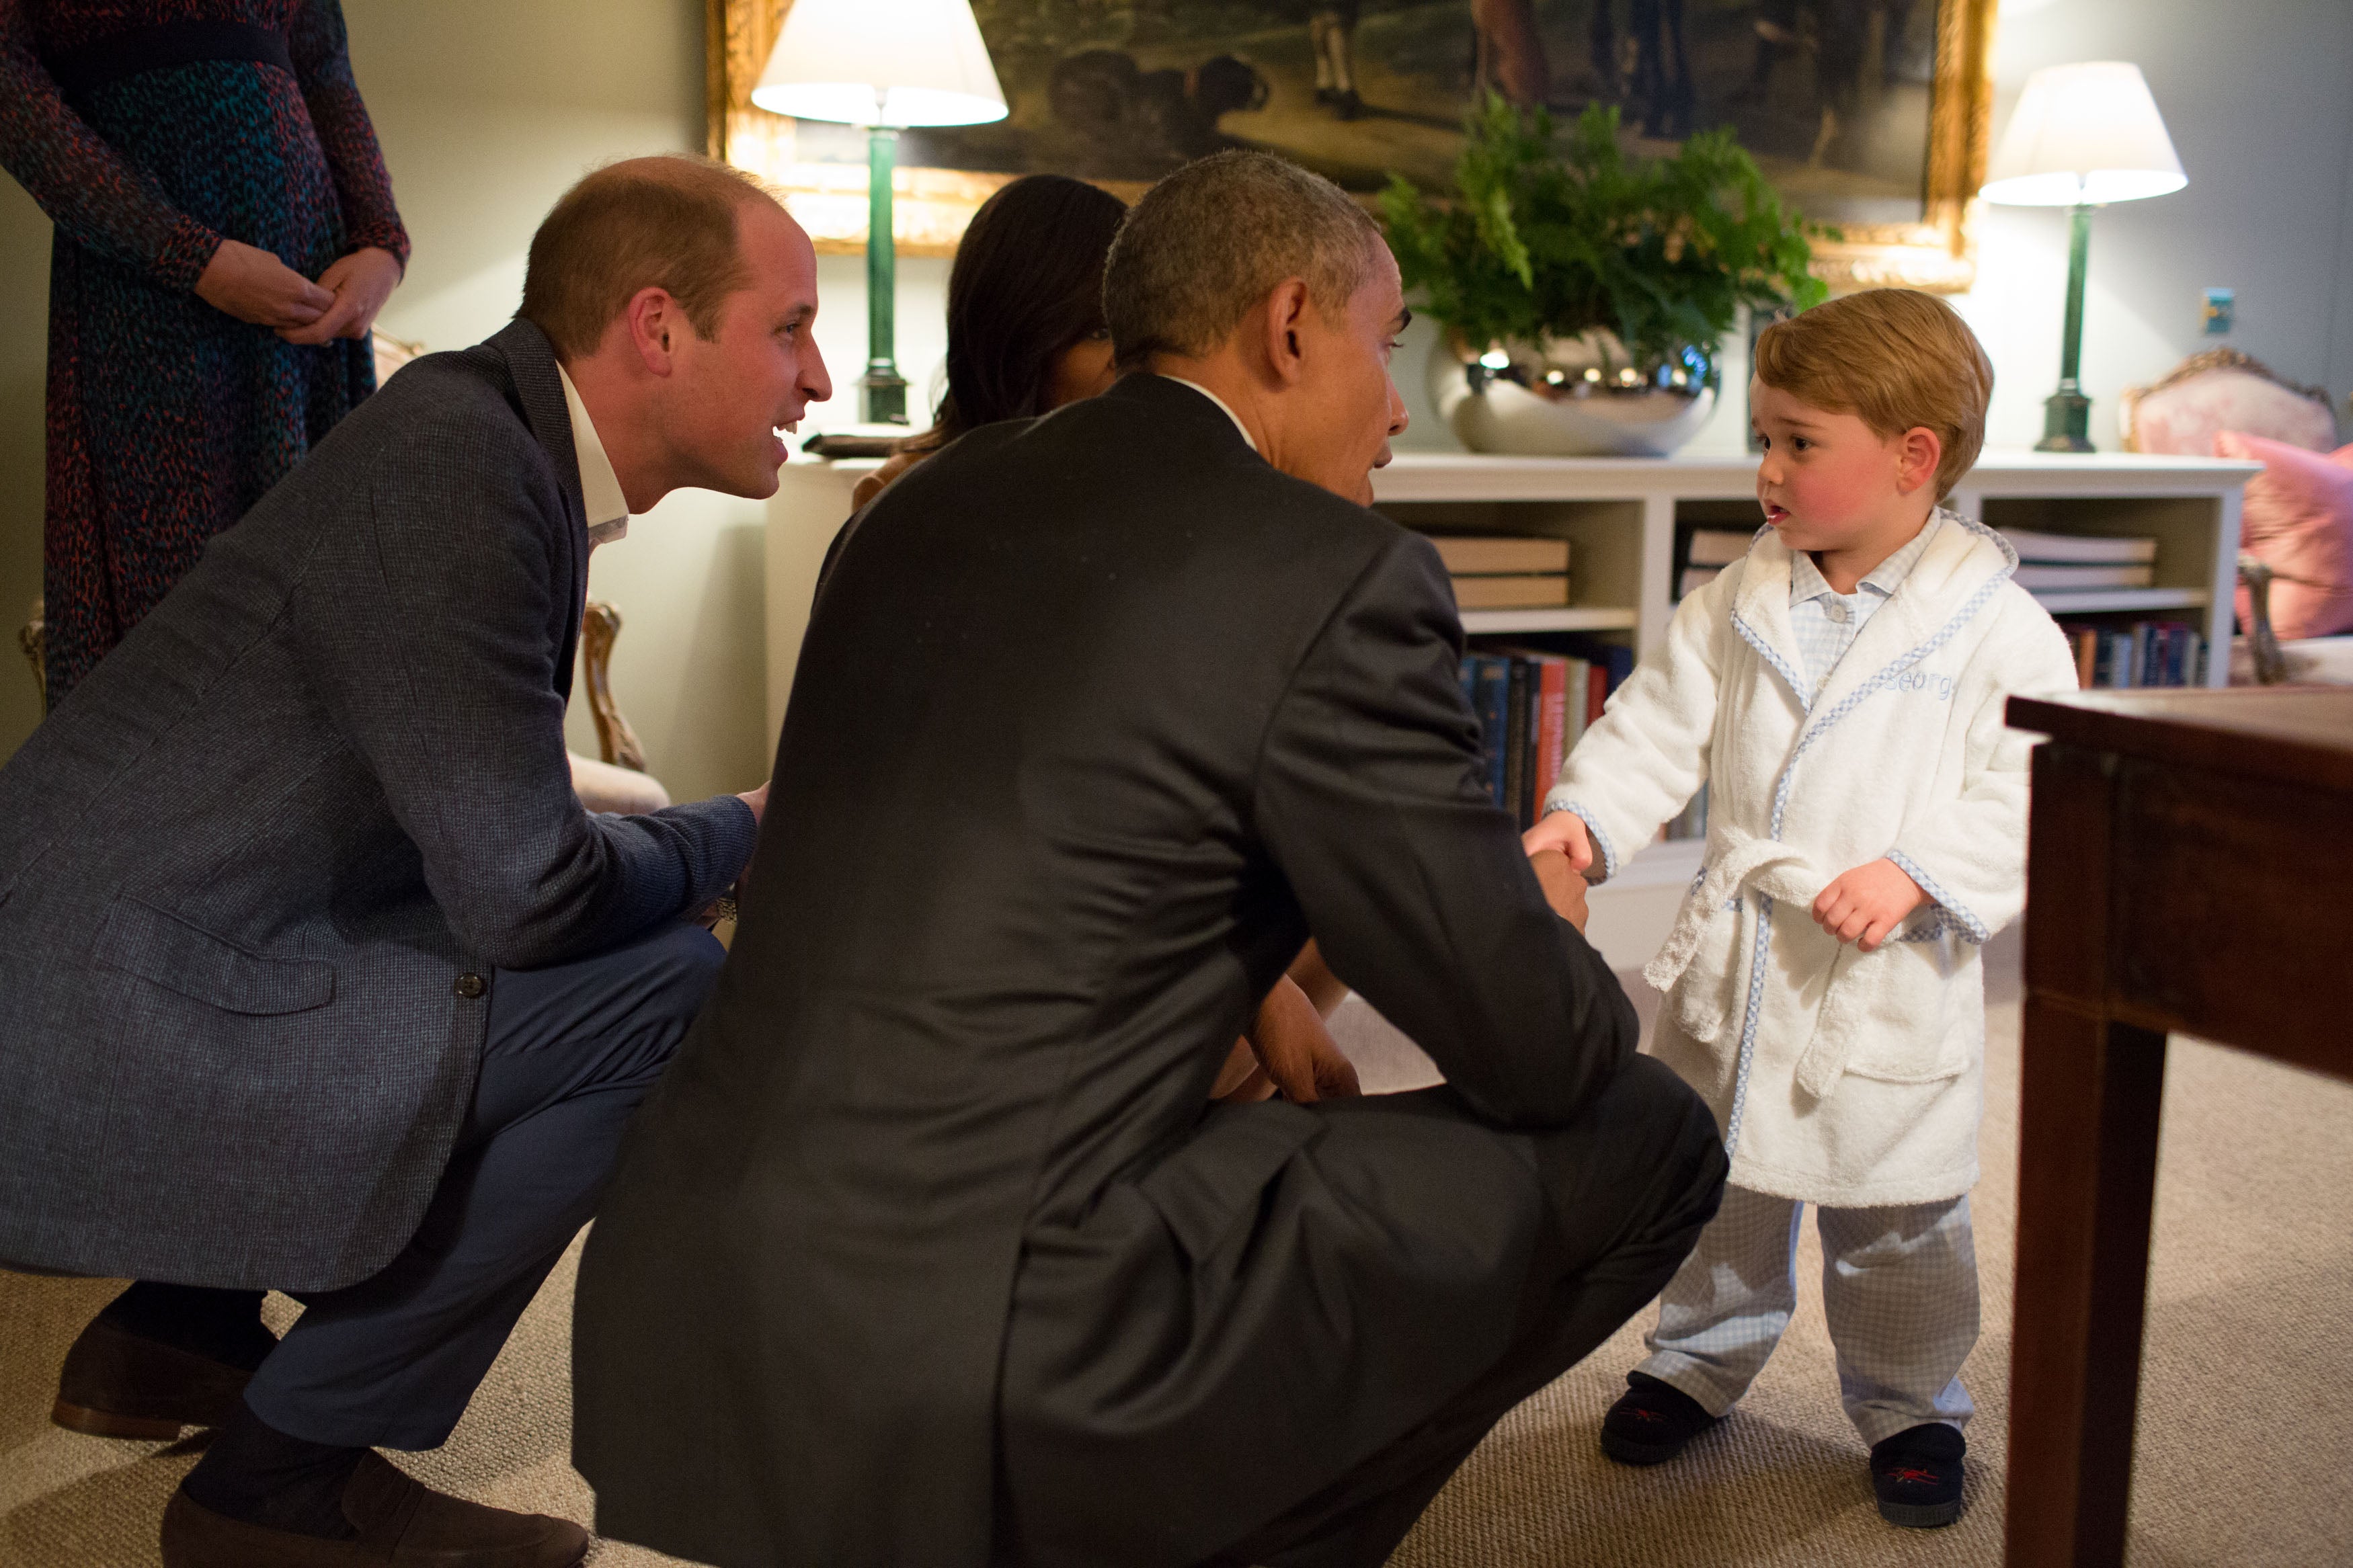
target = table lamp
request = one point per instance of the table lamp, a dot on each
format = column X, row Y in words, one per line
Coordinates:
column 2082, row 136
column 885, row 65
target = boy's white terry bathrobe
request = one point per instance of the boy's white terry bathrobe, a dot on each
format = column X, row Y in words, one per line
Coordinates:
column 1851, row 1081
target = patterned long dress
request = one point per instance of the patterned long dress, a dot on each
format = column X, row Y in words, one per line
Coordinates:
column 168, row 418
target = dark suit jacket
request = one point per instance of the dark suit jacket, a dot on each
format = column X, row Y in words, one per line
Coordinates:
column 245, row 864
column 1096, row 717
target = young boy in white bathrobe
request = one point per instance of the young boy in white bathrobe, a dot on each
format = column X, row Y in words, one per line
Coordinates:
column 1840, row 691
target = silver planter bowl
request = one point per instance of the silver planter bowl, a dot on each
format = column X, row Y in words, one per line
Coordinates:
column 1571, row 397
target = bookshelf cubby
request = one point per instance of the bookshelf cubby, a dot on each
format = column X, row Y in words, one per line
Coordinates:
column 1629, row 520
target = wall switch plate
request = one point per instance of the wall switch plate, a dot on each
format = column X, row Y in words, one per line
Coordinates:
column 2220, row 304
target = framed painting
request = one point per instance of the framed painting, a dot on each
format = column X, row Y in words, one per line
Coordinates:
column 1872, row 115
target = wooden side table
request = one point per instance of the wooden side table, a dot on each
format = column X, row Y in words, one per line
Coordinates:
column 2188, row 857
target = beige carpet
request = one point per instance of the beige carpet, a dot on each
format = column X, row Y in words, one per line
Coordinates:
column 2246, row 1425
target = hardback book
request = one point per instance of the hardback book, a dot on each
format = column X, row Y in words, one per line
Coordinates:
column 1516, row 738
column 1718, row 546
column 2051, row 548
column 1526, row 592
column 2045, row 575
column 1551, row 678
column 1491, row 555
column 1493, row 687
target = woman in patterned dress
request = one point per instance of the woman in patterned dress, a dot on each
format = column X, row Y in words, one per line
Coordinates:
column 204, row 162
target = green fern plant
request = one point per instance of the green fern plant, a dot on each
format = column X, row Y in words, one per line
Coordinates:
column 1543, row 243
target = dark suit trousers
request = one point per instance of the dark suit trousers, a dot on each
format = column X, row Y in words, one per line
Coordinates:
column 1630, row 1185
column 392, row 1361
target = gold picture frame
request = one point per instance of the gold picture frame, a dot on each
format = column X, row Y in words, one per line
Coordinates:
column 931, row 207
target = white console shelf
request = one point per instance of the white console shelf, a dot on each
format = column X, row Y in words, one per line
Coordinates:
column 1620, row 516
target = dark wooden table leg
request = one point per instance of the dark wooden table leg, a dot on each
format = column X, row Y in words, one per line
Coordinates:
column 2087, row 1170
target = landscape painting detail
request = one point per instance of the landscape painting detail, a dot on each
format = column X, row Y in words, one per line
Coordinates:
column 1833, row 98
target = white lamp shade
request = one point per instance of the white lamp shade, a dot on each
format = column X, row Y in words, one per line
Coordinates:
column 881, row 62
column 2084, row 133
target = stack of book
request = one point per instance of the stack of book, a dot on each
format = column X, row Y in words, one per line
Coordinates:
column 1712, row 550
column 1506, row 572
column 1533, row 706
column 2062, row 561
column 2146, row 653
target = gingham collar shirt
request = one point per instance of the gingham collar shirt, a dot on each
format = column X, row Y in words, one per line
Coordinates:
column 1826, row 621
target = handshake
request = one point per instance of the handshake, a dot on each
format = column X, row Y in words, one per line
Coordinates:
column 1863, row 906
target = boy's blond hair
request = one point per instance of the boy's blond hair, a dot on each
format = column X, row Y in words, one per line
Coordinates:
column 1894, row 358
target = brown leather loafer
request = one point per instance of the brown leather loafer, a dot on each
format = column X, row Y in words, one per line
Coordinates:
column 119, row 1384
column 402, row 1524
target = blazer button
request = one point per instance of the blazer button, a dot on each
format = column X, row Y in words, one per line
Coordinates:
column 470, row 986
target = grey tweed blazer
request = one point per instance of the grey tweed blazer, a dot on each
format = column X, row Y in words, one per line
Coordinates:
column 259, row 868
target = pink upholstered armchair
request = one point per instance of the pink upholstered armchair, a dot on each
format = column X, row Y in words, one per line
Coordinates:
column 2296, row 562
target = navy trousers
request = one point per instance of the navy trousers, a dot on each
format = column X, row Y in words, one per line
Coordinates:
column 392, row 1361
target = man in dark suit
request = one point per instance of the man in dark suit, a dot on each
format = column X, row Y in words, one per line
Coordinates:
column 931, row 1248
column 314, row 975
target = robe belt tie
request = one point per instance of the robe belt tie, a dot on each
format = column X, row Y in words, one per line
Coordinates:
column 1738, row 862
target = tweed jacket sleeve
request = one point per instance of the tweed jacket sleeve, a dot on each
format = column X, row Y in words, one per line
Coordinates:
column 1415, row 887
column 432, row 603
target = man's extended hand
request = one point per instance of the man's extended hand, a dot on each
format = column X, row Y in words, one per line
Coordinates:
column 1564, row 831
column 1866, row 905
column 1294, row 1054
column 1564, row 889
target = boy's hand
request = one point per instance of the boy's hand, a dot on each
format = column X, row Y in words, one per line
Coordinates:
column 1564, row 889
column 1564, row 831
column 1866, row 904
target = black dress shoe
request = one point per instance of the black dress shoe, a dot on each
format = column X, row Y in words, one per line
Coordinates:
column 396, row 1522
column 1651, row 1422
column 1917, row 1476
column 117, row 1383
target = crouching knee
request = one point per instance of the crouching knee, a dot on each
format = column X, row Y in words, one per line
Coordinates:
column 1645, row 1161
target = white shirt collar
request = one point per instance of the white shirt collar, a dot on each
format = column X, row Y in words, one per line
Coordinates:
column 1222, row 406
column 601, row 487
column 1806, row 582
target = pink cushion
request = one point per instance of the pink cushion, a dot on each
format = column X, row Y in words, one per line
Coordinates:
column 2298, row 520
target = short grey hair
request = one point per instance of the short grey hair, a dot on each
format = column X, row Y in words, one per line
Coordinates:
column 1214, row 238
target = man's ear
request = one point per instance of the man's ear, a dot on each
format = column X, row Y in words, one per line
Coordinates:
column 1284, row 316
column 654, row 323
column 1922, row 449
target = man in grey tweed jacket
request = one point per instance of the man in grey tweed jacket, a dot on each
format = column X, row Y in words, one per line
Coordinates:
column 314, row 973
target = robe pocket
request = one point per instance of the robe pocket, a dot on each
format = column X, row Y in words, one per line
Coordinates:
column 1206, row 1187
column 1895, row 1014
column 164, row 950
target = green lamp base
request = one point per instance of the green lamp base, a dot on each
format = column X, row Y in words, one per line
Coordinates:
column 882, row 394
column 2066, row 423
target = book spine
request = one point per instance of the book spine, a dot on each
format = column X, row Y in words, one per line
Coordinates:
column 1493, row 708
column 1515, row 742
column 1579, row 685
column 1552, row 731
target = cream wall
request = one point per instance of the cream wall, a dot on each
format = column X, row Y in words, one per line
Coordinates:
column 487, row 110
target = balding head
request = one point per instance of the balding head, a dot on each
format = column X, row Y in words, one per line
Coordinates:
column 667, row 222
column 1206, row 245
column 1266, row 286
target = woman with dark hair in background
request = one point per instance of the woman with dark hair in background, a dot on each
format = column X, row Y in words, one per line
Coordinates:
column 1026, row 330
